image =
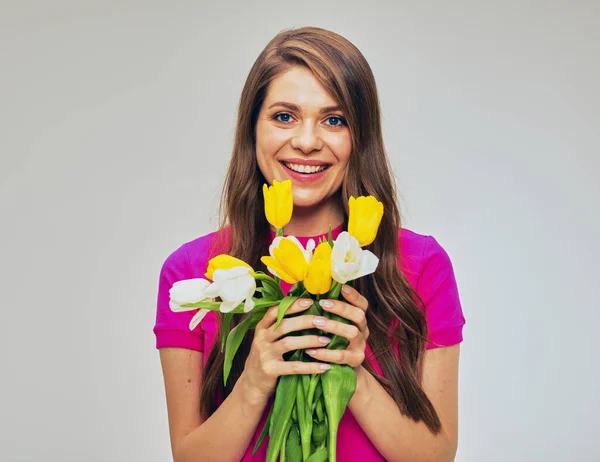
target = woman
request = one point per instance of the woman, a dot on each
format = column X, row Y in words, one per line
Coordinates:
column 309, row 112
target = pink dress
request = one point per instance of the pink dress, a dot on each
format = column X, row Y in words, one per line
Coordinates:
column 425, row 264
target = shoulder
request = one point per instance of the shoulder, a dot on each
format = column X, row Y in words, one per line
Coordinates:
column 416, row 251
column 429, row 270
column 172, row 328
column 190, row 259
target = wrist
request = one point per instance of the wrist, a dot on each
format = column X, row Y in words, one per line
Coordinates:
column 361, row 396
column 253, row 397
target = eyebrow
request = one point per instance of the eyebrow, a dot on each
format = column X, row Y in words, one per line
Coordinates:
column 293, row 107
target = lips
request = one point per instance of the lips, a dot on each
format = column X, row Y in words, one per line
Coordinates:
column 305, row 166
column 300, row 168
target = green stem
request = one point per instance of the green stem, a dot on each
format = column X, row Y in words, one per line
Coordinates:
column 304, row 423
column 332, row 446
column 314, row 380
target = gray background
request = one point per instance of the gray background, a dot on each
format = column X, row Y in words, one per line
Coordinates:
column 116, row 123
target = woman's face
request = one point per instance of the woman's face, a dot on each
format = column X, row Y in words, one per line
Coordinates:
column 302, row 136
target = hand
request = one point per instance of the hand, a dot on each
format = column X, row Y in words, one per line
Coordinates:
column 265, row 361
column 356, row 333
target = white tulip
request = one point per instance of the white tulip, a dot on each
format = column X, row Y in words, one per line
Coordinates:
column 349, row 261
column 189, row 291
column 234, row 286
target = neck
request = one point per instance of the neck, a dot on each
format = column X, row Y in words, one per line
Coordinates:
column 315, row 220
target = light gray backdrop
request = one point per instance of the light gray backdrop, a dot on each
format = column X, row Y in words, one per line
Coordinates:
column 116, row 122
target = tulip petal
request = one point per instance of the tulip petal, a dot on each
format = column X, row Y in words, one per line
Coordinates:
column 248, row 304
column 197, row 318
column 213, row 290
column 189, row 290
column 274, row 267
column 291, row 256
column 365, row 213
column 176, row 307
column 368, row 264
column 223, row 261
column 228, row 306
column 279, row 203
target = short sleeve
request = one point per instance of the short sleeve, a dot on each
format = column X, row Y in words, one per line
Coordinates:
column 438, row 289
column 172, row 328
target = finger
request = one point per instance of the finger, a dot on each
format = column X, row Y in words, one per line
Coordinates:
column 348, row 331
column 268, row 319
column 352, row 358
column 271, row 315
column 293, row 324
column 354, row 298
column 297, row 342
column 300, row 367
column 345, row 310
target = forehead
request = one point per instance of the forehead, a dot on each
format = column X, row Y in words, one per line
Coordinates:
column 299, row 86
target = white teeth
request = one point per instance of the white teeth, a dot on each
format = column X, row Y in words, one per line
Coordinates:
column 305, row 168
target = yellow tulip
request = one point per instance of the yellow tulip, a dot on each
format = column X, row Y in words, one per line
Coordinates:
column 288, row 259
column 278, row 203
column 318, row 273
column 224, row 261
column 365, row 217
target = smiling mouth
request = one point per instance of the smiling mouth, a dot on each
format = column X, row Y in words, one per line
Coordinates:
column 307, row 169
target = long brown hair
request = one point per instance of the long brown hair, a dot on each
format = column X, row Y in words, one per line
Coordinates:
column 343, row 71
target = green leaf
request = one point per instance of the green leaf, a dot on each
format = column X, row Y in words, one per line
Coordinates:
column 334, row 292
column 269, row 284
column 330, row 237
column 234, row 339
column 320, row 455
column 319, row 403
column 337, row 341
column 267, row 291
column 297, row 289
column 310, row 394
column 264, row 432
column 272, row 288
column 293, row 450
column 304, row 419
column 283, row 307
column 260, row 303
column 261, row 276
column 319, row 432
column 226, row 323
column 285, row 398
column 339, row 384
column 282, row 453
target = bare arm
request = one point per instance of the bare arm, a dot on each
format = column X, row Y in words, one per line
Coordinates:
column 193, row 439
column 227, row 433
column 397, row 437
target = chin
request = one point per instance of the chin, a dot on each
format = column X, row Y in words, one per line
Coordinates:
column 308, row 201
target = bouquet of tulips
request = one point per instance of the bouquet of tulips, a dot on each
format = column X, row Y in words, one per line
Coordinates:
column 303, row 421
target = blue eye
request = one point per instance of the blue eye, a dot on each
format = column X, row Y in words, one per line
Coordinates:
column 341, row 121
column 282, row 114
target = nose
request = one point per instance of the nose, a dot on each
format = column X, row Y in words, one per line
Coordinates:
column 307, row 139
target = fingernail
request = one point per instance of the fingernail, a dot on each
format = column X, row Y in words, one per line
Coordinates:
column 325, row 303
column 324, row 340
column 325, row 367
column 311, row 352
column 346, row 289
column 305, row 303
column 319, row 321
